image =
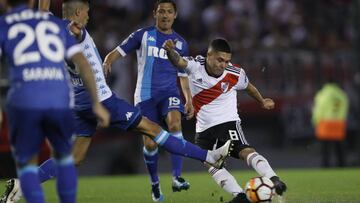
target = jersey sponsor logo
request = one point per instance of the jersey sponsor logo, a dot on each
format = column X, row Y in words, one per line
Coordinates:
column 34, row 74
column 224, row 86
column 156, row 52
column 26, row 15
column 128, row 115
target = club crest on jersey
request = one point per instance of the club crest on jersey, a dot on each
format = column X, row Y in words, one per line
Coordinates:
column 178, row 44
column 224, row 86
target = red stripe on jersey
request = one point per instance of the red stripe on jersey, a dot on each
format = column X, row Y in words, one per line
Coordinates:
column 208, row 95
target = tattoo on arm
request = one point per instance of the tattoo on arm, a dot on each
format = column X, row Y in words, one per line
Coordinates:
column 174, row 57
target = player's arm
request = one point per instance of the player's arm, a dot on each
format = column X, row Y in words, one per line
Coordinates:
column 266, row 103
column 189, row 108
column 173, row 55
column 109, row 59
column 87, row 76
column 44, row 5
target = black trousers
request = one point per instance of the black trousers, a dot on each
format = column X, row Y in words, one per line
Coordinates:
column 327, row 147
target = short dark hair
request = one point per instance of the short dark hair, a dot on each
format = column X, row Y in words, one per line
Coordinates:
column 220, row 44
column 13, row 3
column 165, row 1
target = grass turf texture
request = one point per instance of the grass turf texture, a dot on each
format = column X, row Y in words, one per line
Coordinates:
column 305, row 186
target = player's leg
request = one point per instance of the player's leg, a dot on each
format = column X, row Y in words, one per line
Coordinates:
column 244, row 151
column 85, row 126
column 26, row 137
column 182, row 147
column 209, row 139
column 151, row 156
column 59, row 130
column 172, row 108
column 150, row 151
column 129, row 118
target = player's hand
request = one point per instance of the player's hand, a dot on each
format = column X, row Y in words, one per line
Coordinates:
column 169, row 45
column 106, row 68
column 102, row 115
column 268, row 104
column 75, row 28
column 189, row 110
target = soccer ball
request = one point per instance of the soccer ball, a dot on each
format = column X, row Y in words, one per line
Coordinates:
column 260, row 189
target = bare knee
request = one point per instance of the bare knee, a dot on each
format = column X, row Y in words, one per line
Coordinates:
column 174, row 125
column 149, row 144
column 78, row 159
column 243, row 154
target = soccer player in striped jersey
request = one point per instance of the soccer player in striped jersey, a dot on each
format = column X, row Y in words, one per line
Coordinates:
column 214, row 82
column 39, row 101
column 157, row 94
column 122, row 115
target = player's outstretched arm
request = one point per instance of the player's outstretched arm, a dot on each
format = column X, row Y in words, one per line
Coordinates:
column 44, row 5
column 109, row 59
column 189, row 108
column 87, row 76
column 173, row 55
column 266, row 103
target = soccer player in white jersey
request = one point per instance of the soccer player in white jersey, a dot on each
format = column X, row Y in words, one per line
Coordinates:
column 214, row 82
column 122, row 115
column 157, row 94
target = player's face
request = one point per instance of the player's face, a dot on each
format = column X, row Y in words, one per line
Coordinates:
column 217, row 61
column 165, row 15
column 83, row 15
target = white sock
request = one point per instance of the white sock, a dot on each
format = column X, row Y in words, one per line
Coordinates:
column 260, row 164
column 225, row 180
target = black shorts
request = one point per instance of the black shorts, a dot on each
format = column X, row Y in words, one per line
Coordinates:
column 216, row 136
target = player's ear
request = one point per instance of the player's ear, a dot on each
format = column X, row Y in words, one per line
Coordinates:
column 77, row 11
column 154, row 13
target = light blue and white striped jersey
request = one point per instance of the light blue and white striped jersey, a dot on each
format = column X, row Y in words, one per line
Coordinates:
column 82, row 97
column 156, row 74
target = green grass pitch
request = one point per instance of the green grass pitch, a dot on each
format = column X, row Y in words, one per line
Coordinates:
column 305, row 186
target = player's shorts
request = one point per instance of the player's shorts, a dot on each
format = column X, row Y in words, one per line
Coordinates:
column 30, row 127
column 157, row 108
column 122, row 115
column 216, row 136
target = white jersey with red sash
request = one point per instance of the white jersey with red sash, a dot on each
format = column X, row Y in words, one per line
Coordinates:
column 214, row 99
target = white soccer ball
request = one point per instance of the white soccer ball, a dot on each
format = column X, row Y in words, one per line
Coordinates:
column 260, row 189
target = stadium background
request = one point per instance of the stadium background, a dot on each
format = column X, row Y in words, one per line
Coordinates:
column 287, row 47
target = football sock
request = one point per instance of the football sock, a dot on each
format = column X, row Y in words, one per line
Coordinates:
column 260, row 164
column 177, row 160
column 180, row 146
column 225, row 180
column 66, row 179
column 30, row 184
column 151, row 161
column 47, row 170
